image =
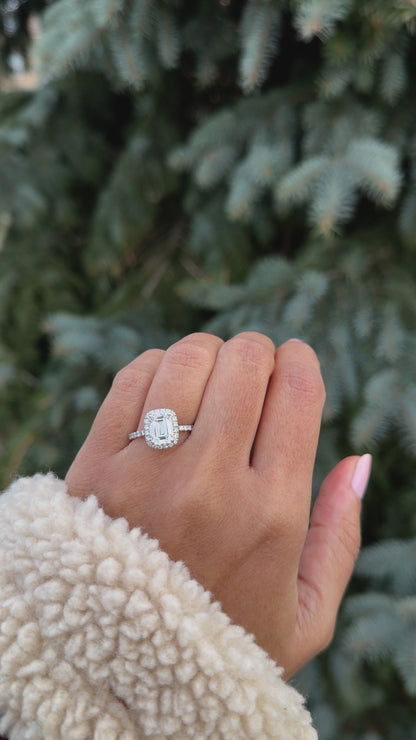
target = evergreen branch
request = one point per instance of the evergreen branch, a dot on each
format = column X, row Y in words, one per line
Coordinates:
column 334, row 199
column 142, row 17
column 407, row 219
column 296, row 186
column 126, row 206
column 376, row 167
column 259, row 31
column 392, row 563
column 384, row 627
column 375, row 636
column 393, row 78
column 299, row 309
column 270, row 276
column 392, row 339
column 319, row 17
column 83, row 338
column 329, row 128
column 364, row 322
column 206, row 71
column 378, row 413
column 406, row 419
column 129, row 56
column 167, row 39
column 342, row 344
column 405, row 659
column 260, row 168
column 335, row 81
column 105, row 11
column 70, row 30
column 265, row 162
column 243, row 193
column 217, row 130
column 214, row 165
column 218, row 297
column 406, row 13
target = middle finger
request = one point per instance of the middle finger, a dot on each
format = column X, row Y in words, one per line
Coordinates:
column 180, row 379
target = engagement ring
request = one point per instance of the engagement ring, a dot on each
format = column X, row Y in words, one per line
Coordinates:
column 161, row 429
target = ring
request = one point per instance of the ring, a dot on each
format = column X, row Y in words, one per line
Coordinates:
column 161, row 429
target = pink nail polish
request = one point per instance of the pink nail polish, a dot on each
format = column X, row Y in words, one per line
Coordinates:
column 361, row 475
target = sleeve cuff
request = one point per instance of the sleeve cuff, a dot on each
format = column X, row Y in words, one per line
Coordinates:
column 103, row 636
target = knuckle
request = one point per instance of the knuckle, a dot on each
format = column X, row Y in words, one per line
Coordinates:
column 125, row 378
column 305, row 381
column 288, row 522
column 204, row 338
column 252, row 351
column 350, row 540
column 132, row 375
column 190, row 353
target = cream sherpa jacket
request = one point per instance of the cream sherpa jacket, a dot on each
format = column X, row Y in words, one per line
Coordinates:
column 103, row 637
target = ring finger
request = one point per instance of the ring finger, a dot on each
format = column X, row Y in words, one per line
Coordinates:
column 180, row 379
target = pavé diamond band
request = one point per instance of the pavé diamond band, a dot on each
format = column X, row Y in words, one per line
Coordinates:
column 161, row 429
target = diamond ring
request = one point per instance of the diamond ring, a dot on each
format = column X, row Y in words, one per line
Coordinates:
column 161, row 429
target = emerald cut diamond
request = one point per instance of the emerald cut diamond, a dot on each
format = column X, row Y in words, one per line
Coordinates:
column 161, row 429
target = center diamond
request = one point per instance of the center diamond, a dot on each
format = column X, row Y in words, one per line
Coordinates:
column 161, row 429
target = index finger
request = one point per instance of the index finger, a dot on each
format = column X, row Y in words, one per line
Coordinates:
column 120, row 411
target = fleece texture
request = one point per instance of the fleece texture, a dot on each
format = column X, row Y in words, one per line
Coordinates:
column 102, row 636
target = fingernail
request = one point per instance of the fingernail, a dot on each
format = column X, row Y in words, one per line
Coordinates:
column 294, row 339
column 361, row 475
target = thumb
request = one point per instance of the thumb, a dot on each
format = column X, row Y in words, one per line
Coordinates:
column 331, row 548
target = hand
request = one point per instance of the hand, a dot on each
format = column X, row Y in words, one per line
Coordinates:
column 232, row 499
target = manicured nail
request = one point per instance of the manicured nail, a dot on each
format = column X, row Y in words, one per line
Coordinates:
column 361, row 475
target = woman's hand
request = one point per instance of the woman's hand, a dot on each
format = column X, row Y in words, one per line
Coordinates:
column 232, row 498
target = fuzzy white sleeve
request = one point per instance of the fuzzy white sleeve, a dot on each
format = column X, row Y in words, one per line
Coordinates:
column 102, row 636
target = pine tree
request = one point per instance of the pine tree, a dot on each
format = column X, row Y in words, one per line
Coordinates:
column 168, row 167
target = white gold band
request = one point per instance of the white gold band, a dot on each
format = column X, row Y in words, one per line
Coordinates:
column 181, row 428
